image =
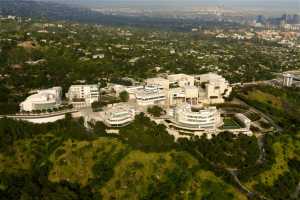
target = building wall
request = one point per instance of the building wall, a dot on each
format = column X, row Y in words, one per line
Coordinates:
column 243, row 119
column 44, row 99
column 87, row 94
column 182, row 79
column 204, row 119
column 150, row 96
column 159, row 81
column 43, row 120
column 287, row 80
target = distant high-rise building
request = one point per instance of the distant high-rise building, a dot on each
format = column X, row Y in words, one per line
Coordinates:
column 296, row 19
column 261, row 19
column 284, row 17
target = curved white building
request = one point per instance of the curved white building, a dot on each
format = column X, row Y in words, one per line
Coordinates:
column 200, row 119
column 119, row 115
column 43, row 100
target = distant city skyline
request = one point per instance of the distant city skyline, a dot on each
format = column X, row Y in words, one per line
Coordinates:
column 267, row 5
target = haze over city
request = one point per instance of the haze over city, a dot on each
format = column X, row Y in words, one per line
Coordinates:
column 275, row 6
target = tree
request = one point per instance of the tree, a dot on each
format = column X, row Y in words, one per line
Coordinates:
column 155, row 111
column 124, row 96
column 146, row 135
column 100, row 129
column 97, row 106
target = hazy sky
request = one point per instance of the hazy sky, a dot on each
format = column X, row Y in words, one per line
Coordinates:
column 279, row 5
column 183, row 1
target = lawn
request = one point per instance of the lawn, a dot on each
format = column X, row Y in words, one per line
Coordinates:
column 253, row 116
column 230, row 123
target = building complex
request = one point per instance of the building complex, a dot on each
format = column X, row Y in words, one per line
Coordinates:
column 187, row 97
column 177, row 89
column 188, row 100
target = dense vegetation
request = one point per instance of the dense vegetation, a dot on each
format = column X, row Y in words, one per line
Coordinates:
column 155, row 111
column 145, row 135
column 124, row 96
column 226, row 150
column 280, row 177
column 64, row 161
column 281, row 104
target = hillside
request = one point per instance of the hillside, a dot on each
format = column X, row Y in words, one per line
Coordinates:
column 63, row 166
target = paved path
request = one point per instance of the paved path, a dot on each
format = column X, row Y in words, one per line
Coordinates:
column 253, row 83
column 40, row 115
column 297, row 192
column 262, row 155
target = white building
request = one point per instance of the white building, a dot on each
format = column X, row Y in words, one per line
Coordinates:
column 159, row 82
column 117, row 88
column 197, row 119
column 132, row 90
column 98, row 56
column 181, row 80
column 187, row 94
column 150, row 95
column 212, row 88
column 287, row 79
column 81, row 96
column 172, row 51
column 119, row 115
column 43, row 100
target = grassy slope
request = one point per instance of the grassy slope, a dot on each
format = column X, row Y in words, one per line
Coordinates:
column 286, row 146
column 266, row 98
column 133, row 176
column 76, row 160
column 282, row 153
column 138, row 171
column 23, row 154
